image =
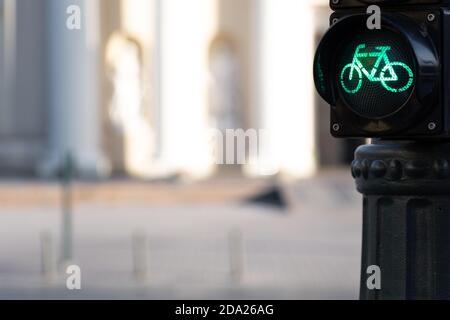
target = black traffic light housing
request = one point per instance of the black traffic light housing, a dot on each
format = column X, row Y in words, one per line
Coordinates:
column 389, row 83
column 341, row 4
column 394, row 85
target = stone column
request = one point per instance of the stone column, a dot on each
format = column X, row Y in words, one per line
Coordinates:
column 187, row 28
column 283, row 53
column 73, row 89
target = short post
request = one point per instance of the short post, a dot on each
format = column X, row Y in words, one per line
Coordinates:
column 236, row 247
column 66, row 210
column 47, row 258
column 140, row 255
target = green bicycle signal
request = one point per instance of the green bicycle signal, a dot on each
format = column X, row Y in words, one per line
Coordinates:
column 387, row 76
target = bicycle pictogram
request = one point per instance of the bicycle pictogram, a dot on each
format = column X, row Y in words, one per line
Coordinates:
column 352, row 74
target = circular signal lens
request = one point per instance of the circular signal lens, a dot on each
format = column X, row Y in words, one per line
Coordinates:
column 375, row 73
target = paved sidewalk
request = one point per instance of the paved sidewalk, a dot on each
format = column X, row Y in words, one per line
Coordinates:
column 311, row 251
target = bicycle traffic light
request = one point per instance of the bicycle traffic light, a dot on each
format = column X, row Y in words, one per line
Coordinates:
column 387, row 82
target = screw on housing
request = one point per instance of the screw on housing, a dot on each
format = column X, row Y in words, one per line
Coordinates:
column 432, row 126
column 431, row 17
column 336, row 127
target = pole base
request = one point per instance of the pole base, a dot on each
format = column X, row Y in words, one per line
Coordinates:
column 406, row 225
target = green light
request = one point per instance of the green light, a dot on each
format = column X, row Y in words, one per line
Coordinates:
column 387, row 76
column 320, row 75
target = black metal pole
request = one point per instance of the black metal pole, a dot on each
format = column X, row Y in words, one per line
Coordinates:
column 406, row 228
column 67, row 243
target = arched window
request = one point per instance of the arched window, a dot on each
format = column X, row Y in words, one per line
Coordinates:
column 225, row 96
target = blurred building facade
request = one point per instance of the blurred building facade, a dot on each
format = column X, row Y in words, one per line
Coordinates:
column 139, row 87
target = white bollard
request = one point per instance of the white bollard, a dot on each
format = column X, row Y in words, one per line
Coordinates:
column 236, row 247
column 140, row 255
column 48, row 265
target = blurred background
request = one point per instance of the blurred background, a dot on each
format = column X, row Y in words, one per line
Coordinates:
column 108, row 153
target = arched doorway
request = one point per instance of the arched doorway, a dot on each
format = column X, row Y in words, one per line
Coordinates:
column 128, row 110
